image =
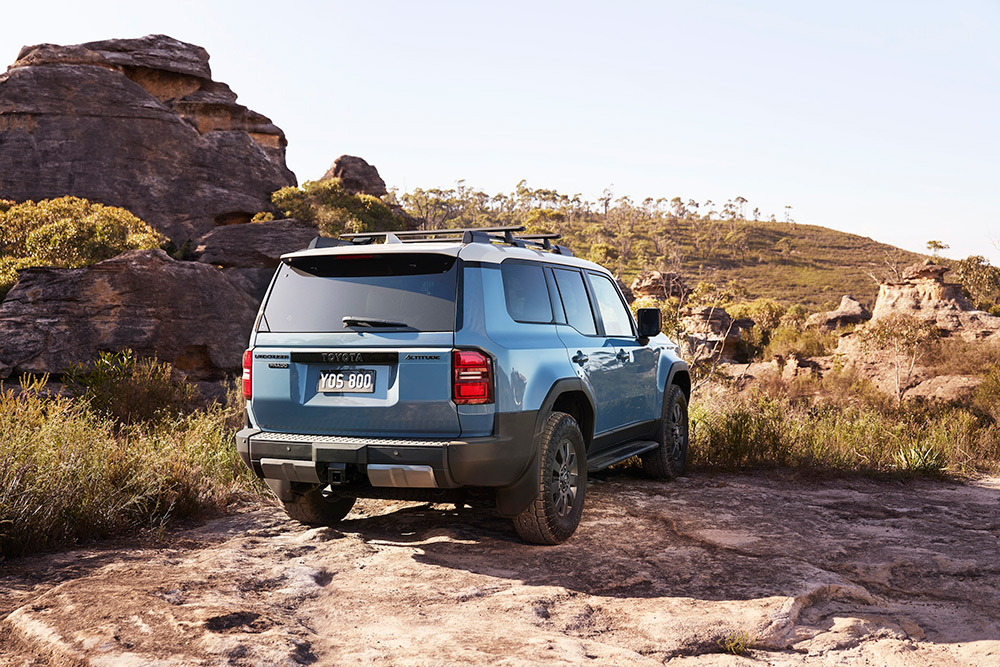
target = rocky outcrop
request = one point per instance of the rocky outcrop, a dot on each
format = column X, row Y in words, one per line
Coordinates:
column 659, row 285
column 248, row 253
column 923, row 294
column 711, row 331
column 136, row 123
column 255, row 245
column 357, row 176
column 187, row 313
column 850, row 311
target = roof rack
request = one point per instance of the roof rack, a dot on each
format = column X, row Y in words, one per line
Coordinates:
column 504, row 235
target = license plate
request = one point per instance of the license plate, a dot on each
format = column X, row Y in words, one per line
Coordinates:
column 353, row 380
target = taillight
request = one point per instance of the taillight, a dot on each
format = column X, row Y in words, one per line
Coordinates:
column 472, row 377
column 247, row 374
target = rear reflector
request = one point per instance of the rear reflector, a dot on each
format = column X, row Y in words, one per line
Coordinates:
column 472, row 377
column 247, row 374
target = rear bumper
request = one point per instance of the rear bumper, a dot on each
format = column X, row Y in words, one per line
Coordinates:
column 493, row 461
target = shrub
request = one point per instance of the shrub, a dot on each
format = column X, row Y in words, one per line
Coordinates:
column 812, row 342
column 68, row 473
column 130, row 390
column 335, row 210
column 66, row 232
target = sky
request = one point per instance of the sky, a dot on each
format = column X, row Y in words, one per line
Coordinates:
column 879, row 118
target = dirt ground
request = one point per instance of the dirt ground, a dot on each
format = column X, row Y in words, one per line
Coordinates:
column 787, row 571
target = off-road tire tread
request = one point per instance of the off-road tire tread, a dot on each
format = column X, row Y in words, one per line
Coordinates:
column 535, row 524
column 657, row 462
column 313, row 509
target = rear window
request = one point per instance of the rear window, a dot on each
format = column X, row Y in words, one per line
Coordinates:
column 526, row 293
column 397, row 292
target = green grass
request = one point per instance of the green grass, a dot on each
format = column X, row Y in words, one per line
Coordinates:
column 69, row 473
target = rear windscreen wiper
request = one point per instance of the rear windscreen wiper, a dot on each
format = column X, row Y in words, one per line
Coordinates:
column 352, row 321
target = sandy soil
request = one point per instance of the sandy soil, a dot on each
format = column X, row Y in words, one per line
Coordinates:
column 831, row 572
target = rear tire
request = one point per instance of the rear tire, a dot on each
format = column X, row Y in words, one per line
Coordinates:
column 554, row 514
column 669, row 460
column 318, row 508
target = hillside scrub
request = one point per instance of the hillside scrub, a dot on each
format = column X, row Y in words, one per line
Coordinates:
column 770, row 428
column 780, row 260
column 70, row 472
column 66, row 232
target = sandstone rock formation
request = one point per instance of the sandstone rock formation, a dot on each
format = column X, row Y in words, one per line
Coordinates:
column 923, row 294
column 187, row 313
column 250, row 252
column 659, row 285
column 850, row 311
column 711, row 331
column 357, row 176
column 137, row 123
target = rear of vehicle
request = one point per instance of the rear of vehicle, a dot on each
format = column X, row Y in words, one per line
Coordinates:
column 356, row 386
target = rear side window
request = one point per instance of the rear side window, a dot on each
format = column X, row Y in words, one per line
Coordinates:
column 575, row 301
column 402, row 291
column 525, row 292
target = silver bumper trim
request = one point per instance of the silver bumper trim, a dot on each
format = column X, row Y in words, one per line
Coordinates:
column 402, row 476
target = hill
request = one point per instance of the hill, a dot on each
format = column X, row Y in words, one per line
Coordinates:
column 787, row 261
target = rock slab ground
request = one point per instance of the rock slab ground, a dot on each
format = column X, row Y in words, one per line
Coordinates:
column 846, row 572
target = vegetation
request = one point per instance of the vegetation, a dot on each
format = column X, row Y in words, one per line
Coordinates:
column 71, row 471
column 780, row 260
column 66, row 232
column 840, row 424
column 335, row 210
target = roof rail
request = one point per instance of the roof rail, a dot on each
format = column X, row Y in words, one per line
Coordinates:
column 503, row 234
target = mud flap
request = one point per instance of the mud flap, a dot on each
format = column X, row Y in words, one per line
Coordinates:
column 514, row 499
column 281, row 488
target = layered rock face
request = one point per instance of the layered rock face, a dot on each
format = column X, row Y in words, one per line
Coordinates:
column 658, row 285
column 137, row 123
column 249, row 253
column 923, row 294
column 710, row 331
column 187, row 313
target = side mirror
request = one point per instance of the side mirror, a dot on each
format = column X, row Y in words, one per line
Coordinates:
column 649, row 322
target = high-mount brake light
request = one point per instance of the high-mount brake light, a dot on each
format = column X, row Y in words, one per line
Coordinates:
column 247, row 374
column 472, row 377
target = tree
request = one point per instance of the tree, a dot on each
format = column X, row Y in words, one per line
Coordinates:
column 905, row 338
column 936, row 246
column 980, row 281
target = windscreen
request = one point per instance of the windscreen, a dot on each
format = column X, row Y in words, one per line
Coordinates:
column 385, row 292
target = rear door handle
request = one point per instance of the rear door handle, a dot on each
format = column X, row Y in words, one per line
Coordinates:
column 622, row 355
column 580, row 358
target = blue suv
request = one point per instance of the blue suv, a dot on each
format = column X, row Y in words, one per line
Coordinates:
column 442, row 360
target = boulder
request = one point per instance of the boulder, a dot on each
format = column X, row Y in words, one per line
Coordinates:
column 257, row 245
column 136, row 123
column 659, row 285
column 710, row 331
column 248, row 253
column 850, row 311
column 945, row 388
column 187, row 313
column 357, row 176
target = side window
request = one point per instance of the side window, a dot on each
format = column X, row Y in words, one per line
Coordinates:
column 617, row 321
column 575, row 301
column 525, row 292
